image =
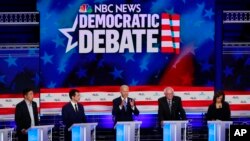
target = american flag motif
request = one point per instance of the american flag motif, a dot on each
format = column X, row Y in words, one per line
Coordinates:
column 170, row 33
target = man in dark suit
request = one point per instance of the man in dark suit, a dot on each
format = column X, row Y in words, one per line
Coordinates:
column 124, row 107
column 72, row 112
column 26, row 115
column 170, row 107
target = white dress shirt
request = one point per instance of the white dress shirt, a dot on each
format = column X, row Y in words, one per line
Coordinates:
column 30, row 109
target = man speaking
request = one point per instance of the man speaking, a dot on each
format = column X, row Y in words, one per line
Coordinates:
column 124, row 107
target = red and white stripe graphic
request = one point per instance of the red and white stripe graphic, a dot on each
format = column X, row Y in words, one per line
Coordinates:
column 98, row 100
column 170, row 33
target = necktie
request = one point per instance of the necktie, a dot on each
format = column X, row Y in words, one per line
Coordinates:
column 125, row 105
column 170, row 105
column 76, row 108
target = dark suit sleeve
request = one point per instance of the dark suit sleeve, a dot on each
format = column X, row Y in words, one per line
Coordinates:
column 36, row 114
column 83, row 115
column 227, row 112
column 210, row 113
column 181, row 110
column 65, row 116
column 160, row 111
column 116, row 110
column 135, row 111
column 18, row 117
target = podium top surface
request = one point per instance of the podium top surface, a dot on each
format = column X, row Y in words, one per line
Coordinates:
column 6, row 129
column 129, row 122
column 83, row 125
column 41, row 127
column 219, row 122
column 175, row 121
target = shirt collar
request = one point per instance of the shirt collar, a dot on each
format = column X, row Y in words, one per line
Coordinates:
column 73, row 103
column 28, row 102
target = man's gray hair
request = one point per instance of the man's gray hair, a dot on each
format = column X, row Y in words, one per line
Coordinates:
column 168, row 88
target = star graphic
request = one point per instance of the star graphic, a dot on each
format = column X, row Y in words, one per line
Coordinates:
column 128, row 56
column 170, row 11
column 206, row 67
column 61, row 68
column 65, row 32
column 228, row 71
column 52, row 84
column 2, row 79
column 59, row 41
column 11, row 61
column 116, row 73
column 134, row 82
column 144, row 66
column 209, row 13
column 36, row 79
column 47, row 58
column 81, row 73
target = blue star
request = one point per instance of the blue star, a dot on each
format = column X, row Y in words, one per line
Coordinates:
column 100, row 63
column 209, row 13
column 133, row 83
column 99, row 1
column 144, row 63
column 36, row 79
column 47, row 58
column 210, row 83
column 228, row 71
column 206, row 67
column 247, row 61
column 81, row 73
column 59, row 41
column 116, row 73
column 128, row 56
column 170, row 11
column 237, row 56
column 2, row 79
column 11, row 61
column 201, row 6
column 238, row 80
column 52, row 84
column 61, row 68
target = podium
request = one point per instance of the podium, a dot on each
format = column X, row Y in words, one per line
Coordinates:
column 82, row 131
column 217, row 130
column 128, row 131
column 172, row 130
column 6, row 134
column 40, row 133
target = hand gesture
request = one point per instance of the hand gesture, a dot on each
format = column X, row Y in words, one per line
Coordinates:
column 132, row 103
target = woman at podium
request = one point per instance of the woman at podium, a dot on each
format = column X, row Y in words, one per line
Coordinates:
column 219, row 109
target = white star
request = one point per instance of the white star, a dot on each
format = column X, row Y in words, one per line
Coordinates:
column 66, row 31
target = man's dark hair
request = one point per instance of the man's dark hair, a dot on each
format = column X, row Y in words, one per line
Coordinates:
column 72, row 92
column 25, row 91
column 218, row 94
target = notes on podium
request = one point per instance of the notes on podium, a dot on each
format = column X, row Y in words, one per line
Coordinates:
column 172, row 130
column 6, row 134
column 128, row 130
column 40, row 133
column 217, row 130
column 82, row 131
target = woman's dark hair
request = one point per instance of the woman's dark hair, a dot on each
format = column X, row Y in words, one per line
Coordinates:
column 72, row 92
column 218, row 94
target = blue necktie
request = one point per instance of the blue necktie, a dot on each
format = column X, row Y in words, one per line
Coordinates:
column 125, row 105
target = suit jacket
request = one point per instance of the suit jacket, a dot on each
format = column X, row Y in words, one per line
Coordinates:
column 122, row 114
column 223, row 113
column 22, row 116
column 69, row 115
column 177, row 111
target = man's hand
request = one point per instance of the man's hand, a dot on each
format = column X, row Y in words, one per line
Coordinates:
column 24, row 131
column 132, row 103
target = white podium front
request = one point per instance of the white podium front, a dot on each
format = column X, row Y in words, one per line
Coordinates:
column 40, row 133
column 128, row 131
column 172, row 130
column 82, row 131
column 217, row 130
column 6, row 134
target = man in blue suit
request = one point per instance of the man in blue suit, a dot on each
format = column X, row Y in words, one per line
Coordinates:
column 72, row 112
column 124, row 107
